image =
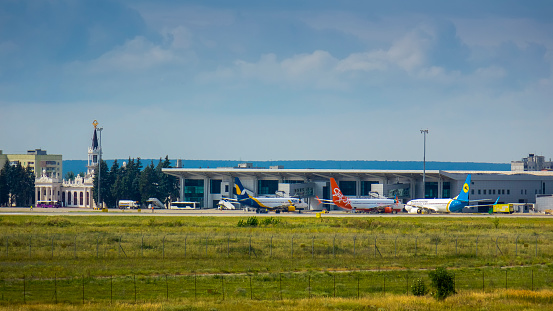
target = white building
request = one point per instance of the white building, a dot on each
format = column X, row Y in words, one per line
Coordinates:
column 71, row 193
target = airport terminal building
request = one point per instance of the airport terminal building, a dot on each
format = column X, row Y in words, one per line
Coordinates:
column 208, row 185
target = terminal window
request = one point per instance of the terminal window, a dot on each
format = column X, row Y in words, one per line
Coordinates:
column 215, row 186
column 348, row 187
column 267, row 187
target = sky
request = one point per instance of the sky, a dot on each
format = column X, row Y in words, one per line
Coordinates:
column 278, row 80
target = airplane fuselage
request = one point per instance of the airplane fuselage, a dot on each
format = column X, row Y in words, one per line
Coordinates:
column 370, row 204
column 272, row 203
column 437, row 205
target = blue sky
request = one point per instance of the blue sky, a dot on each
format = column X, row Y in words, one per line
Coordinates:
column 278, row 80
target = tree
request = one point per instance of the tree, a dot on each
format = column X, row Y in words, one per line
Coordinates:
column 4, row 185
column 168, row 185
column 104, row 183
column 69, row 175
column 443, row 282
column 148, row 183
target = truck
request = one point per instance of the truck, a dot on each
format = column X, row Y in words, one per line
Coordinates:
column 128, row 204
column 503, row 208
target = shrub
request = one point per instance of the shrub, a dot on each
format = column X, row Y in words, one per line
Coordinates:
column 270, row 221
column 419, row 288
column 252, row 221
column 443, row 282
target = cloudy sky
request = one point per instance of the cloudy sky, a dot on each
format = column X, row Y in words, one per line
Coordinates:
column 278, row 80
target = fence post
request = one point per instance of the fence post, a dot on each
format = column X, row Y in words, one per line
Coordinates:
column 166, row 287
column 185, row 238
column 271, row 246
column 334, row 275
column 223, row 286
column 55, row 288
column 206, row 245
column 24, row 290
column 292, row 247
column 476, row 246
column 395, row 247
column 30, row 245
column 532, row 279
column 228, row 246
column 354, row 240
column 536, row 246
column 309, row 286
column 280, row 284
column 516, row 246
column 250, row 251
column 357, row 286
column 384, row 277
column 251, row 290
column 83, row 289
column 142, row 247
column 52, row 247
column 334, row 246
column 111, row 289
column 134, row 278
column 407, row 279
column 195, row 286
column 312, row 247
column 163, row 249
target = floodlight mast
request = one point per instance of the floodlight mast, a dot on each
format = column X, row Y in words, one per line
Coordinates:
column 424, row 132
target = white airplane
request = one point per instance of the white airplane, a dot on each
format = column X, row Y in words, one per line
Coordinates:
column 422, row 206
column 266, row 204
column 363, row 205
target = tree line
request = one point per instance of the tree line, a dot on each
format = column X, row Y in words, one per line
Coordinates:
column 131, row 182
column 17, row 185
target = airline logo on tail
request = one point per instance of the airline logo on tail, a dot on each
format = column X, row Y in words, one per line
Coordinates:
column 240, row 192
column 337, row 197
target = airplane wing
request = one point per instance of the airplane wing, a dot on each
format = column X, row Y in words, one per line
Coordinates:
column 229, row 199
column 425, row 208
column 483, row 200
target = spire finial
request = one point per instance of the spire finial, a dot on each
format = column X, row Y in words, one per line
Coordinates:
column 95, row 123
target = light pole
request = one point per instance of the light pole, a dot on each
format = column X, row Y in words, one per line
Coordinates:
column 424, row 132
column 99, row 166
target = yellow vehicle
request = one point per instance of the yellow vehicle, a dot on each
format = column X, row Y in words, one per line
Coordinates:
column 503, row 208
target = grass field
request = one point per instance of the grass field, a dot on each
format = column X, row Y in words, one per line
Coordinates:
column 168, row 262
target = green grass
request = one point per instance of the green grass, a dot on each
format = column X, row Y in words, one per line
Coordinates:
column 211, row 259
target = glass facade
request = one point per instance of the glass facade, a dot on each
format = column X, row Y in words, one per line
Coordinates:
column 267, row 187
column 215, row 186
column 431, row 189
column 446, row 191
column 194, row 190
column 366, row 186
column 348, row 187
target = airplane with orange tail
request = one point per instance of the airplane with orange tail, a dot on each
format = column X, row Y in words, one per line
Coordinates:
column 360, row 205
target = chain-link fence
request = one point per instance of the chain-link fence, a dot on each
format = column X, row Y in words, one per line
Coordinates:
column 238, row 246
column 270, row 286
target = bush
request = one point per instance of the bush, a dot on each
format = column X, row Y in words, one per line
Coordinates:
column 270, row 221
column 443, row 282
column 419, row 288
column 252, row 221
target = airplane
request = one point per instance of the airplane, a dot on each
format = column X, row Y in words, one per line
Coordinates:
column 266, row 204
column 361, row 205
column 422, row 206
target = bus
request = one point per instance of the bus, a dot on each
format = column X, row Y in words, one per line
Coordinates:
column 183, row 205
column 48, row 204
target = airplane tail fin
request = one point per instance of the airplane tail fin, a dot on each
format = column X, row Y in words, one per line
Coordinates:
column 337, row 197
column 240, row 191
column 464, row 194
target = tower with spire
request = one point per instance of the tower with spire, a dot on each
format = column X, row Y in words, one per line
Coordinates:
column 93, row 152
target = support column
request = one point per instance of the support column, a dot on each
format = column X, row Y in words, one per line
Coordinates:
column 207, row 191
column 440, row 188
column 357, row 187
column 181, row 188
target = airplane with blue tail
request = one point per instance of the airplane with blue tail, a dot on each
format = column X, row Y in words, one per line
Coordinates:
column 266, row 204
column 455, row 205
